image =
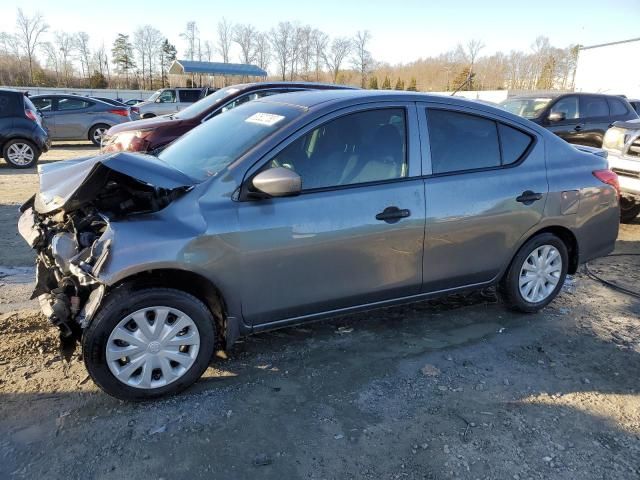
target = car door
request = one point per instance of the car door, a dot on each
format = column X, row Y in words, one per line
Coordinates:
column 167, row 102
column 354, row 235
column 46, row 106
column 187, row 97
column 569, row 126
column 72, row 117
column 486, row 186
column 595, row 120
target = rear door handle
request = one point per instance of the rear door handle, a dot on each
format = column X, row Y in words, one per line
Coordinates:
column 392, row 214
column 528, row 197
column 577, row 128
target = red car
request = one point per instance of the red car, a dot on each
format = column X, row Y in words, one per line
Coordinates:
column 153, row 134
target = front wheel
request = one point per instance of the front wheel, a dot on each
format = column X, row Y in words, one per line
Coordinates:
column 97, row 132
column 536, row 274
column 629, row 210
column 148, row 343
column 20, row 153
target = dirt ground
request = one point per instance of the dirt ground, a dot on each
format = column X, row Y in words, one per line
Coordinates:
column 457, row 388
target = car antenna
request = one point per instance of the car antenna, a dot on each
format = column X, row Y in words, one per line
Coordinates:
column 468, row 80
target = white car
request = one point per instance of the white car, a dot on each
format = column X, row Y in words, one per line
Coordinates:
column 622, row 142
column 168, row 100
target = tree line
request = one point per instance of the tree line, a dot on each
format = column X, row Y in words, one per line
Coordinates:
column 33, row 55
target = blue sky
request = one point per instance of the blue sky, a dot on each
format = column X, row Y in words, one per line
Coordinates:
column 402, row 31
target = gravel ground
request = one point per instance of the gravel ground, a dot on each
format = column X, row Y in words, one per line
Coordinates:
column 457, row 388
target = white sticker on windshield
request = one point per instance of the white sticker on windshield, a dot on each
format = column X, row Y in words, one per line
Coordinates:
column 268, row 119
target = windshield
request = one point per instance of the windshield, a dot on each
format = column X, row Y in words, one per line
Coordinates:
column 153, row 97
column 526, row 107
column 207, row 103
column 212, row 146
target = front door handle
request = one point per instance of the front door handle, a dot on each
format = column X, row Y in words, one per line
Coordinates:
column 528, row 197
column 392, row 214
column 577, row 128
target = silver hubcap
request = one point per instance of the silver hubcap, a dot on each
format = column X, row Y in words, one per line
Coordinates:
column 98, row 133
column 20, row 154
column 540, row 273
column 152, row 347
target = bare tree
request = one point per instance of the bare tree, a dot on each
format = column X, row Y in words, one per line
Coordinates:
column 84, row 54
column 152, row 46
column 306, row 51
column 29, row 31
column 51, row 54
column 473, row 50
column 338, row 52
column 65, row 45
column 282, row 38
column 208, row 50
column 320, row 41
column 139, row 47
column 263, row 51
column 225, row 37
column 102, row 61
column 362, row 60
column 245, row 37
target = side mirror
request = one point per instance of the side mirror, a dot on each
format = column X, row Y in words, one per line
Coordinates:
column 557, row 116
column 278, row 182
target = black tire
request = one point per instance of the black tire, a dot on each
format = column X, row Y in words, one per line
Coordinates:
column 509, row 287
column 92, row 133
column 8, row 151
column 148, row 115
column 629, row 210
column 115, row 308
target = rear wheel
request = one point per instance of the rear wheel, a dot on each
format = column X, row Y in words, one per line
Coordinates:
column 629, row 210
column 148, row 115
column 97, row 132
column 20, row 153
column 536, row 274
column 148, row 343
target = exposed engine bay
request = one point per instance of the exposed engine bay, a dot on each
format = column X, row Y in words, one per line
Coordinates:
column 69, row 227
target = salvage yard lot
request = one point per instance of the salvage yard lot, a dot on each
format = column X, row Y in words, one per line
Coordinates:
column 452, row 388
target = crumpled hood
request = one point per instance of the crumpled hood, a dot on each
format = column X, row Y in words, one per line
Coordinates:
column 70, row 184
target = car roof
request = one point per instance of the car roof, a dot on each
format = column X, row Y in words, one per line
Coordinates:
column 561, row 94
column 283, row 84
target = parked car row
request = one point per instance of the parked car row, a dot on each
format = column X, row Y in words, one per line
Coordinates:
column 278, row 208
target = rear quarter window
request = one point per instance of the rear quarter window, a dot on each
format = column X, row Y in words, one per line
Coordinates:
column 514, row 143
column 617, row 107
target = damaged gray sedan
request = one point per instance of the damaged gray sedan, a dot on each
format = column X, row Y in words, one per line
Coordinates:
column 299, row 207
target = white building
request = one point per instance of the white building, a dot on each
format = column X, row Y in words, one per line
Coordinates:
column 610, row 68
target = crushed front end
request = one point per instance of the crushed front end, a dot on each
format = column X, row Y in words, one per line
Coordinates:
column 68, row 224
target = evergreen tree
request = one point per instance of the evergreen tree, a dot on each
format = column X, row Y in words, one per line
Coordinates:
column 97, row 80
column 386, row 85
column 122, row 54
column 413, row 87
column 399, row 85
column 373, row 83
column 168, row 54
column 463, row 80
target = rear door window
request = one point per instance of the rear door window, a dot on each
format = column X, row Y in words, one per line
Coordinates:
column 593, row 107
column 189, row 96
column 44, row 104
column 461, row 142
column 69, row 103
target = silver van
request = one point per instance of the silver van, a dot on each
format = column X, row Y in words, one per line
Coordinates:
column 168, row 100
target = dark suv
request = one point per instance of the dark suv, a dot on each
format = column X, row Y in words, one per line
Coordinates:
column 22, row 136
column 150, row 135
column 580, row 118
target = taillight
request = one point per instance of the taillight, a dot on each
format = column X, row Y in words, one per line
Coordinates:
column 121, row 112
column 608, row 177
column 31, row 115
